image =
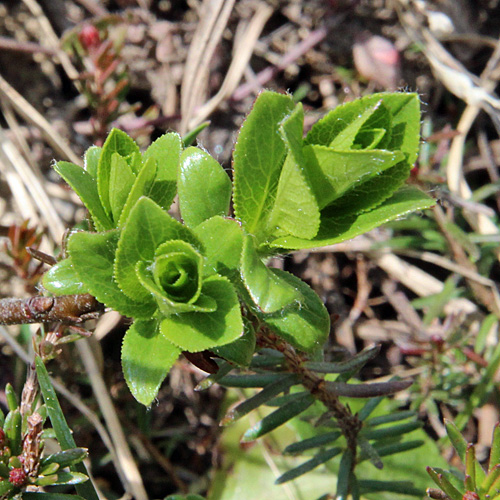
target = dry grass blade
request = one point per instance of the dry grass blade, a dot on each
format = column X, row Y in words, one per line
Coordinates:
column 12, row 163
column 13, row 124
column 50, row 37
column 126, row 465
column 243, row 49
column 476, row 93
column 31, row 115
column 214, row 15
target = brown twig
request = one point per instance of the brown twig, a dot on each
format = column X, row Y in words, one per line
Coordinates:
column 40, row 309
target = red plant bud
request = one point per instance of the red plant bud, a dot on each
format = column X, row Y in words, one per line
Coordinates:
column 470, row 495
column 437, row 340
column 2, row 437
column 89, row 37
column 17, row 477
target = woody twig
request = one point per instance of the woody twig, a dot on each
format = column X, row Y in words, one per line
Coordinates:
column 66, row 309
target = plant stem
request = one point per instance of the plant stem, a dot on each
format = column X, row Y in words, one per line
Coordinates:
column 40, row 309
column 348, row 423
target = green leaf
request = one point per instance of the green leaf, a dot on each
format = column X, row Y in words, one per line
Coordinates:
column 269, row 392
column 369, row 194
column 85, row 187
column 445, row 484
column 399, row 114
column 305, row 325
column 312, row 442
column 204, row 187
column 147, row 357
column 384, row 450
column 391, row 417
column 11, row 397
column 371, row 112
column 339, row 127
column 148, row 226
column 336, row 229
column 204, row 304
column 175, row 279
column 318, row 459
column 39, row 495
column 96, row 252
column 269, row 291
column 221, row 258
column 398, row 487
column 62, row 477
column 258, row 158
column 278, row 417
column 240, row 351
column 91, row 160
column 495, row 448
column 354, row 363
column 142, row 187
column 63, row 432
column 405, row 127
column 166, row 150
column 121, row 180
column 190, row 137
column 334, row 173
column 13, row 431
column 61, row 279
column 460, row 445
column 394, row 430
column 5, row 487
column 194, row 331
column 65, row 458
column 295, row 209
column 345, row 474
column 116, row 142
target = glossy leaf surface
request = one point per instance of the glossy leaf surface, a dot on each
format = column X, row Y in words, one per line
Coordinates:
column 116, row 142
column 337, row 228
column 305, row 325
column 193, row 331
column 148, row 226
column 86, row 188
column 96, row 251
column 258, row 157
column 147, row 357
column 62, row 279
column 204, row 187
column 165, row 151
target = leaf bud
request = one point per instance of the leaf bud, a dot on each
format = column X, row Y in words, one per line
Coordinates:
column 89, row 37
column 17, row 477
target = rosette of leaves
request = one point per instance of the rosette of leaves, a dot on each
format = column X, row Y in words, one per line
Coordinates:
column 113, row 179
column 170, row 277
column 343, row 179
column 21, row 461
column 476, row 483
column 292, row 192
column 183, row 283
